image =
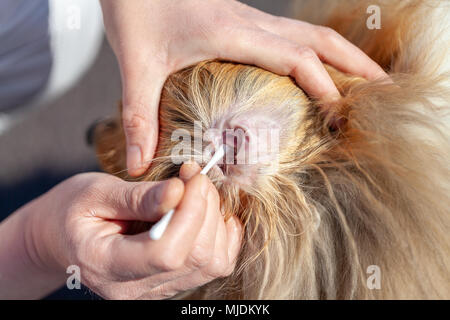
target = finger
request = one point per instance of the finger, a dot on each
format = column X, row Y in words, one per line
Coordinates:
column 157, row 287
column 234, row 236
column 204, row 244
column 189, row 216
column 138, row 255
column 337, row 51
column 189, row 170
column 329, row 45
column 203, row 248
column 141, row 201
column 141, row 95
column 261, row 48
column 217, row 267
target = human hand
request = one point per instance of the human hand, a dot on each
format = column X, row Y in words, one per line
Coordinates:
column 154, row 38
column 84, row 221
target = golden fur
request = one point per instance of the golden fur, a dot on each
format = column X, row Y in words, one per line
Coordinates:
column 373, row 192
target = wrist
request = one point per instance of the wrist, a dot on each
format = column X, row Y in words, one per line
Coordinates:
column 43, row 238
column 23, row 273
column 41, row 246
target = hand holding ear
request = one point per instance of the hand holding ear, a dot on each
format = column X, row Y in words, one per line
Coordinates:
column 154, row 38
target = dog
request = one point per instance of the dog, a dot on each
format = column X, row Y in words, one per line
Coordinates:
column 360, row 211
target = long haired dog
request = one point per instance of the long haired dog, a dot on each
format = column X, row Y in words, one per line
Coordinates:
column 355, row 212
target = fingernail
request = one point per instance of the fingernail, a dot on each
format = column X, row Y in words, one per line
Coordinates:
column 134, row 157
column 190, row 168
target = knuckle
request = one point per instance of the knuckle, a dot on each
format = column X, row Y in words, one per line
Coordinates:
column 87, row 180
column 217, row 267
column 276, row 22
column 133, row 120
column 134, row 199
column 305, row 53
column 327, row 33
column 89, row 187
column 225, row 19
column 80, row 177
column 92, row 188
column 199, row 257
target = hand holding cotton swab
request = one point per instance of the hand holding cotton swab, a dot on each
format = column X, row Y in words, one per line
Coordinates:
column 158, row 228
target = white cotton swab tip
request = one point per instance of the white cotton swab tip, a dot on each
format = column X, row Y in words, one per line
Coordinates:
column 215, row 158
column 158, row 228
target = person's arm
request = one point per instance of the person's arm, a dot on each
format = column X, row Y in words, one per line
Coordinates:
column 84, row 220
column 154, row 38
column 21, row 273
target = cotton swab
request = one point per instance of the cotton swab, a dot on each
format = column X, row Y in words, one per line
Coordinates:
column 158, row 228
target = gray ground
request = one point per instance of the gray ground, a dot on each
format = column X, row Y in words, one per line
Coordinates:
column 50, row 145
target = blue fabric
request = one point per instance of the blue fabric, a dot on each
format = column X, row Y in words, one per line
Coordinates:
column 25, row 55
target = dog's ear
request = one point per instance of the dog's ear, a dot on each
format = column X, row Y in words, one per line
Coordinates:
column 108, row 138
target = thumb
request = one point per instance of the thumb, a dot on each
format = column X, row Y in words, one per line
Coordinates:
column 141, row 96
column 141, row 201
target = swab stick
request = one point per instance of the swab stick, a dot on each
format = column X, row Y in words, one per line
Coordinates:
column 158, row 228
